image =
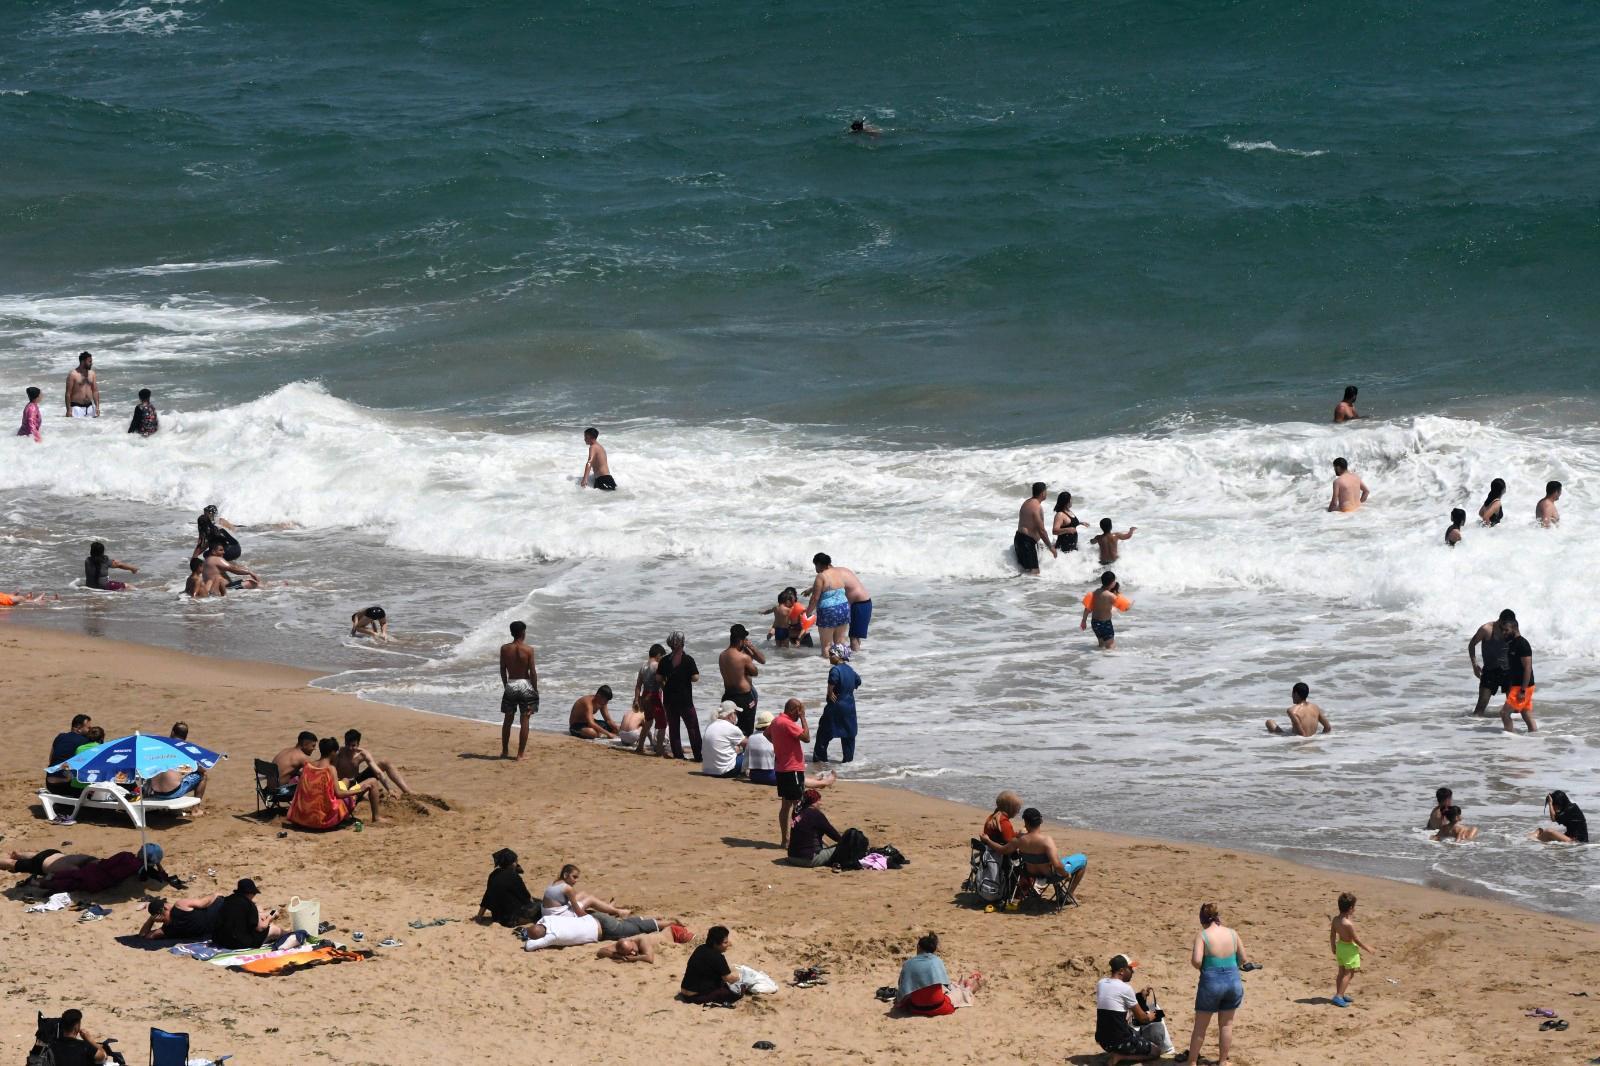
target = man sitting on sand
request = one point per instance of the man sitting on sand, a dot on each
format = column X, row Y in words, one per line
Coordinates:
column 290, row 759
column 1349, row 491
column 346, row 790
column 722, row 744
column 1304, row 716
column 183, row 919
column 506, row 899
column 710, row 977
column 569, row 930
column 925, row 987
column 355, row 763
column 582, row 723
column 1039, row 854
column 760, row 761
column 1129, row 1026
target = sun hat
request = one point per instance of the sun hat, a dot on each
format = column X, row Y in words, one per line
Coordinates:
column 247, row 887
column 729, row 709
column 764, row 719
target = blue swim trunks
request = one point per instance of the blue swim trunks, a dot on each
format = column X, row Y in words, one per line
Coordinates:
column 1073, row 863
column 184, row 788
column 1104, row 630
column 860, row 619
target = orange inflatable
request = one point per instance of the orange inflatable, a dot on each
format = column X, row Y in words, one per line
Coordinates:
column 1121, row 603
column 1519, row 698
column 797, row 614
column 6, row 601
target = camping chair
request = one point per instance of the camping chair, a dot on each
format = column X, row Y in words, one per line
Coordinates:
column 49, row 1029
column 1051, row 888
column 271, row 793
column 1010, row 871
column 172, row 1049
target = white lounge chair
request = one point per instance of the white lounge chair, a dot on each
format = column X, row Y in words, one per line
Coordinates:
column 108, row 797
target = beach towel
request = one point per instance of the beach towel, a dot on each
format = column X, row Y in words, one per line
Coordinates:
column 301, row 960
column 243, row 955
column 317, row 804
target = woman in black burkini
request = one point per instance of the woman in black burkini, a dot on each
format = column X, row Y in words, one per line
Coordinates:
column 1491, row 512
column 1064, row 526
column 1574, row 827
column 709, row 975
column 506, row 899
column 678, row 673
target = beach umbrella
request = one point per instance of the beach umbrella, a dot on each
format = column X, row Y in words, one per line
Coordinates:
column 135, row 759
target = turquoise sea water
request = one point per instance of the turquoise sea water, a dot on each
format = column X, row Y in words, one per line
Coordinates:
column 380, row 262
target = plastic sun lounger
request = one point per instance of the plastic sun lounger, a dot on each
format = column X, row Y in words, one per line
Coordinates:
column 109, row 797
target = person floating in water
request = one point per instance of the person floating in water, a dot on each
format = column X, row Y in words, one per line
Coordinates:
column 1345, row 409
column 1349, row 491
column 1546, row 511
column 1458, row 518
column 862, row 128
column 1304, row 716
column 596, row 464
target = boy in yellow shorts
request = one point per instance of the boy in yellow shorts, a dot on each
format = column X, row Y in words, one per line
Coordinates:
column 1347, row 948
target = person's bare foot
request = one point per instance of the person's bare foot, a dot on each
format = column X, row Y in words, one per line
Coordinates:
column 521, row 756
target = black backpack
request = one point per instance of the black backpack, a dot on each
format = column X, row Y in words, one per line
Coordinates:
column 851, row 849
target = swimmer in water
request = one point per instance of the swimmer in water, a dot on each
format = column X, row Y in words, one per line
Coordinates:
column 1458, row 518
column 1030, row 531
column 1345, row 409
column 1101, row 603
column 1452, row 829
column 862, row 128
column 1493, row 509
column 1064, row 526
column 596, row 463
column 1546, row 511
column 1442, row 798
column 216, row 568
column 97, row 570
column 1304, row 716
column 1349, row 491
column 372, row 621
column 1106, row 541
column 27, row 599
column 198, row 586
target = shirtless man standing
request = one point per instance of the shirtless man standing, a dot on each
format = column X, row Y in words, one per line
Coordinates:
column 860, row 609
column 1546, row 511
column 1345, row 409
column 1349, row 491
column 520, row 681
column 596, row 464
column 582, row 722
column 215, row 568
column 829, row 601
column 1304, row 716
column 738, row 666
column 1106, row 541
column 83, row 389
column 1030, row 531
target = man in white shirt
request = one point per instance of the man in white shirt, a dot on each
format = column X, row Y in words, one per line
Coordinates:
column 722, row 743
column 1145, row 1037
column 759, row 758
column 565, row 930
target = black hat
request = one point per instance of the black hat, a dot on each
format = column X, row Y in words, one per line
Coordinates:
column 247, row 887
column 505, row 857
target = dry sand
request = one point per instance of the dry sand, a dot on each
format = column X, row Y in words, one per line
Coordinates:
column 1450, row 981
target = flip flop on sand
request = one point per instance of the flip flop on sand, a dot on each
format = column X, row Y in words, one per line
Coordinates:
column 1540, row 1012
column 887, row 993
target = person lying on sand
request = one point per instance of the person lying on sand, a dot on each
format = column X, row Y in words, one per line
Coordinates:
column 182, row 919
column 570, row 930
column 628, row 949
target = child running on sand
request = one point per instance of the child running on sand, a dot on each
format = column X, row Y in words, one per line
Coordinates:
column 1347, row 948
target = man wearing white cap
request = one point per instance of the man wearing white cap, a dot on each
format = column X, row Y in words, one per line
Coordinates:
column 1128, row 1024
column 723, row 743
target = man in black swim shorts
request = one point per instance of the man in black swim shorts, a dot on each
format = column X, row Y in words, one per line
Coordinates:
column 1031, row 530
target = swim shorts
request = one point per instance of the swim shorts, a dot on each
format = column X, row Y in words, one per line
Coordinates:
column 780, row 636
column 82, row 410
column 35, row 865
column 1103, row 630
column 1348, row 954
column 519, row 695
column 655, row 712
column 605, row 483
column 746, row 702
column 1494, row 681
column 184, row 788
column 1519, row 698
column 1073, row 863
column 791, row 784
column 860, row 619
column 576, row 731
column 1027, row 551
column 115, row 586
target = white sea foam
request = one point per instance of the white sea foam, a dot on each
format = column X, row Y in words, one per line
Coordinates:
column 155, row 270
column 159, row 19
column 1268, row 146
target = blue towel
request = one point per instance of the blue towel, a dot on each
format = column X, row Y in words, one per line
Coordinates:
column 920, row 971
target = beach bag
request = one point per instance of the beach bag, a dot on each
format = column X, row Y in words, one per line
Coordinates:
column 316, row 804
column 304, row 914
column 991, row 885
column 756, row 983
column 851, row 849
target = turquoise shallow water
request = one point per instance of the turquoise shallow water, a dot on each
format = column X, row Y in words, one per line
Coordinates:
column 380, row 261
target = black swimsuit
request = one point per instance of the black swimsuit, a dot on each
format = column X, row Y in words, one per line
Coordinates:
column 1067, row 539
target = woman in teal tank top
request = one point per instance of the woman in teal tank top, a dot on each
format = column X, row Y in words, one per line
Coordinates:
column 1218, row 954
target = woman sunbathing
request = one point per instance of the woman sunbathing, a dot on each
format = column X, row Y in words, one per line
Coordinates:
column 563, row 895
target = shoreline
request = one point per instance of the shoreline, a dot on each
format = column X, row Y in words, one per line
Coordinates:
column 669, row 842
column 310, row 676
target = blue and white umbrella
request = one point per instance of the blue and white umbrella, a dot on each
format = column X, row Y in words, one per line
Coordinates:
column 134, row 760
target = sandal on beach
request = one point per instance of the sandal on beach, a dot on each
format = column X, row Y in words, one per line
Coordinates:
column 1560, row 1027
column 390, row 942
column 1540, row 1012
column 1553, row 1023
column 888, row 993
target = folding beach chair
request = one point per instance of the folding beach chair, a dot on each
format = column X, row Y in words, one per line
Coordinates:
column 172, row 1049
column 271, row 793
column 1052, row 890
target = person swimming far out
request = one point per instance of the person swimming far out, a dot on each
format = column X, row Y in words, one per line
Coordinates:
column 1345, row 409
column 862, row 128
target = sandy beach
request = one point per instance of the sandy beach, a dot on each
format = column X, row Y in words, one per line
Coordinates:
column 1449, row 982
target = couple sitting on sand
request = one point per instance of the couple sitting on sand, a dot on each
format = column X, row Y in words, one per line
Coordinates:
column 328, row 788
column 1036, row 848
column 565, row 917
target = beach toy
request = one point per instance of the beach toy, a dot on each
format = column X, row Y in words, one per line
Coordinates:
column 797, row 613
column 1121, row 603
column 1520, row 698
column 6, row 601
column 304, row 914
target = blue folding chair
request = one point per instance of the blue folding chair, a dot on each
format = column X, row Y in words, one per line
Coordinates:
column 172, row 1049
